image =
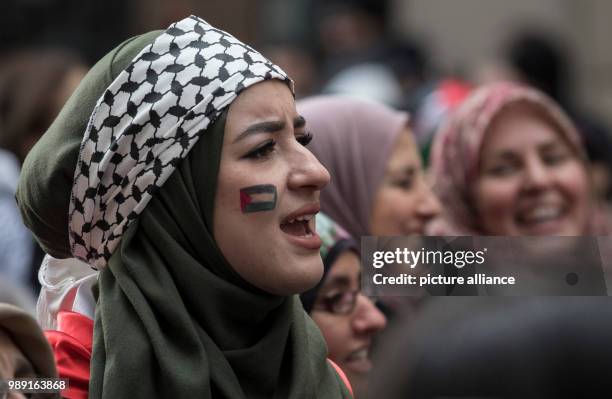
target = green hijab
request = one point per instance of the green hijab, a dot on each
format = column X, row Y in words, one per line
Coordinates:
column 174, row 320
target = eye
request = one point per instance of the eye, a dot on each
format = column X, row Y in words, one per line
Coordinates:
column 340, row 303
column 262, row 151
column 304, row 139
column 404, row 184
column 502, row 169
column 555, row 157
column 405, row 180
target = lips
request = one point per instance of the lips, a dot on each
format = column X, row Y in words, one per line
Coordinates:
column 359, row 361
column 300, row 227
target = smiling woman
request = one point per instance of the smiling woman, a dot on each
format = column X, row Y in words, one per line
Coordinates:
column 194, row 195
column 510, row 162
column 531, row 181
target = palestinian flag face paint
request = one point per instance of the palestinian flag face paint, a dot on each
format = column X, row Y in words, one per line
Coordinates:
column 258, row 198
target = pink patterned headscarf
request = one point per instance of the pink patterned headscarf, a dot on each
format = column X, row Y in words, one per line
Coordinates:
column 457, row 147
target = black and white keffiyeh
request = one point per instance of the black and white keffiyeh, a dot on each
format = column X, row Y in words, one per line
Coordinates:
column 147, row 120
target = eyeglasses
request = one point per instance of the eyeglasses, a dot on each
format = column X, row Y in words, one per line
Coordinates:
column 339, row 303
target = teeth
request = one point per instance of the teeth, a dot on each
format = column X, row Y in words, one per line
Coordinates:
column 303, row 218
column 542, row 214
column 360, row 355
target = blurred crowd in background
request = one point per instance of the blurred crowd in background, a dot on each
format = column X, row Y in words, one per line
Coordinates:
column 395, row 52
column 403, row 53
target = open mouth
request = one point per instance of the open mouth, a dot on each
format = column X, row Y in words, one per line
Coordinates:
column 299, row 227
column 359, row 361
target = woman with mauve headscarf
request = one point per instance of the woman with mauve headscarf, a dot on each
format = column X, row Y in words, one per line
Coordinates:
column 179, row 170
column 377, row 186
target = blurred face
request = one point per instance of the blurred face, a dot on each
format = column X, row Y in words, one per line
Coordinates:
column 530, row 180
column 268, row 192
column 62, row 92
column 404, row 202
column 348, row 336
column 347, row 31
column 13, row 364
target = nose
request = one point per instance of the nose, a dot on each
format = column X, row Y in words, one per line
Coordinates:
column 307, row 171
column 536, row 176
column 367, row 319
column 428, row 206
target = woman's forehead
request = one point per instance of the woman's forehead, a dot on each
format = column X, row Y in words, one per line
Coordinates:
column 513, row 125
column 404, row 153
column 269, row 97
column 346, row 267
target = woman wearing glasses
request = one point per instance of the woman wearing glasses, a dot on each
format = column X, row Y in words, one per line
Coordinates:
column 348, row 319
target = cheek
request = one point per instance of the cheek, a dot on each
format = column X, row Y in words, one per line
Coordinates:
column 243, row 214
column 245, row 200
column 229, row 182
column 247, row 231
column 336, row 331
column 574, row 181
column 228, row 217
column 495, row 198
column 393, row 209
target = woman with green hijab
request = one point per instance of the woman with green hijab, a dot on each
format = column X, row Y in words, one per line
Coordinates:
column 192, row 193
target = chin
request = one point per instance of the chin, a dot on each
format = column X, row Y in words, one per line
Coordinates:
column 359, row 381
column 309, row 278
column 301, row 278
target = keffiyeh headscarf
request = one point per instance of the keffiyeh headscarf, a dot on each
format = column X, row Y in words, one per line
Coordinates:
column 457, row 146
column 353, row 140
column 173, row 318
column 147, row 120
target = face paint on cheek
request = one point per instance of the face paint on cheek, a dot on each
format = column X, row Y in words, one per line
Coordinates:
column 258, row 198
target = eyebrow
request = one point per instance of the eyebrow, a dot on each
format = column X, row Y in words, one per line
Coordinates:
column 270, row 127
column 495, row 159
column 553, row 145
column 511, row 154
column 502, row 155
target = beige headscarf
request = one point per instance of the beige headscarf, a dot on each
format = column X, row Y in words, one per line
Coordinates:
column 29, row 338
